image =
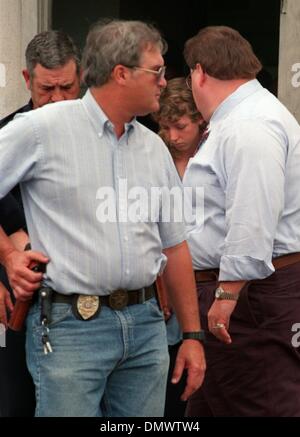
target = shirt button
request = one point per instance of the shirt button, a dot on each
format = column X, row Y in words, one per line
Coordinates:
column 127, row 272
column 125, row 238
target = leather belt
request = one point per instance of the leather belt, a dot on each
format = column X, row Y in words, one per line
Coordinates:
column 206, row 275
column 278, row 263
column 117, row 300
column 286, row 260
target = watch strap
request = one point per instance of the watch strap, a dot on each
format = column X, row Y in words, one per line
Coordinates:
column 221, row 294
column 194, row 335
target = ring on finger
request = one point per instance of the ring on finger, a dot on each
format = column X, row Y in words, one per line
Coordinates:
column 218, row 326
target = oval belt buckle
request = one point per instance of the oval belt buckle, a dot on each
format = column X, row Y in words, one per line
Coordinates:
column 88, row 306
column 118, row 299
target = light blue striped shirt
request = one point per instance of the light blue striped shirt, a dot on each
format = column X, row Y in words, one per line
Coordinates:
column 250, row 170
column 64, row 153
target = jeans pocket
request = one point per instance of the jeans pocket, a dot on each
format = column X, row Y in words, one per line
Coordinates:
column 59, row 312
column 154, row 307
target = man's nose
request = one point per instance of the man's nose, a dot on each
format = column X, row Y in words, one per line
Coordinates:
column 162, row 82
column 56, row 95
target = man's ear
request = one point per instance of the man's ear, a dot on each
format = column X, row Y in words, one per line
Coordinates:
column 201, row 75
column 26, row 76
column 120, row 73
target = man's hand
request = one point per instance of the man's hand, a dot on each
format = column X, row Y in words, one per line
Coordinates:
column 191, row 357
column 219, row 319
column 5, row 304
column 22, row 279
column 180, row 284
column 221, row 310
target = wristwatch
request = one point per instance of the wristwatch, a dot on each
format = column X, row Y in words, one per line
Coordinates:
column 221, row 294
column 197, row 335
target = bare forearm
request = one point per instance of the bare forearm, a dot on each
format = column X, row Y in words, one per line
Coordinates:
column 180, row 282
column 19, row 239
column 6, row 246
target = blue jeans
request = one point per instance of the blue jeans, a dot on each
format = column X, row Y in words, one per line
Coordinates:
column 115, row 365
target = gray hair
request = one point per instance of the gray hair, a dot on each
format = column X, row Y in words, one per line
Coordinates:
column 51, row 49
column 114, row 42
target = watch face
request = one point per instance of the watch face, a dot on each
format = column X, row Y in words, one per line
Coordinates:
column 225, row 295
column 218, row 293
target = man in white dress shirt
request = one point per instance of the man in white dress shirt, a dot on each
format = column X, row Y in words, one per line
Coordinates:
column 246, row 255
column 101, row 350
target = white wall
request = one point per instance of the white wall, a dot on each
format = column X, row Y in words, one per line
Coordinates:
column 20, row 20
column 289, row 56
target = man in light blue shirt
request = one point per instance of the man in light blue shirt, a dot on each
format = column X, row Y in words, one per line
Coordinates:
column 92, row 182
column 250, row 235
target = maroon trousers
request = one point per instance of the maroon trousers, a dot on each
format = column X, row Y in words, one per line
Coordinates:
column 259, row 373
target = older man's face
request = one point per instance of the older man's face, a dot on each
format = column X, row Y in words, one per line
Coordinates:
column 145, row 85
column 53, row 85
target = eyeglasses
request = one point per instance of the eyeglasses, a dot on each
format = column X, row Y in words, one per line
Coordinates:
column 188, row 80
column 160, row 73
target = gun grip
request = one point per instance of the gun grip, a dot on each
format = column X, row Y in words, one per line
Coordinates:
column 21, row 308
column 19, row 314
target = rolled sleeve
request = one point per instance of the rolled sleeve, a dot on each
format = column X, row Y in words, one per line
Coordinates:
column 171, row 225
column 19, row 152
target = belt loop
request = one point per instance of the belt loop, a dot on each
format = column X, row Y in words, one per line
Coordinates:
column 142, row 296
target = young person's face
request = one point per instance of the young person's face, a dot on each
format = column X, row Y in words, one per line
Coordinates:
column 182, row 135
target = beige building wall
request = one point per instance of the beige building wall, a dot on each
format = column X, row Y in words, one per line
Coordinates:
column 20, row 20
column 289, row 56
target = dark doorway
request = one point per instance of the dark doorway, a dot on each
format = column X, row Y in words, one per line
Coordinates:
column 257, row 20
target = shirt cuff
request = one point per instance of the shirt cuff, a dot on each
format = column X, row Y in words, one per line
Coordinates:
column 244, row 268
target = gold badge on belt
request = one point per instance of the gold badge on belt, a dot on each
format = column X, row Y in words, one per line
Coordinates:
column 86, row 306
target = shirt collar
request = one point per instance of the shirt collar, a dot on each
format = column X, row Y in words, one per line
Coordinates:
column 234, row 99
column 98, row 117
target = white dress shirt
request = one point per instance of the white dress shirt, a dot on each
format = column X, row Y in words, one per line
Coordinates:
column 250, row 170
column 64, row 154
